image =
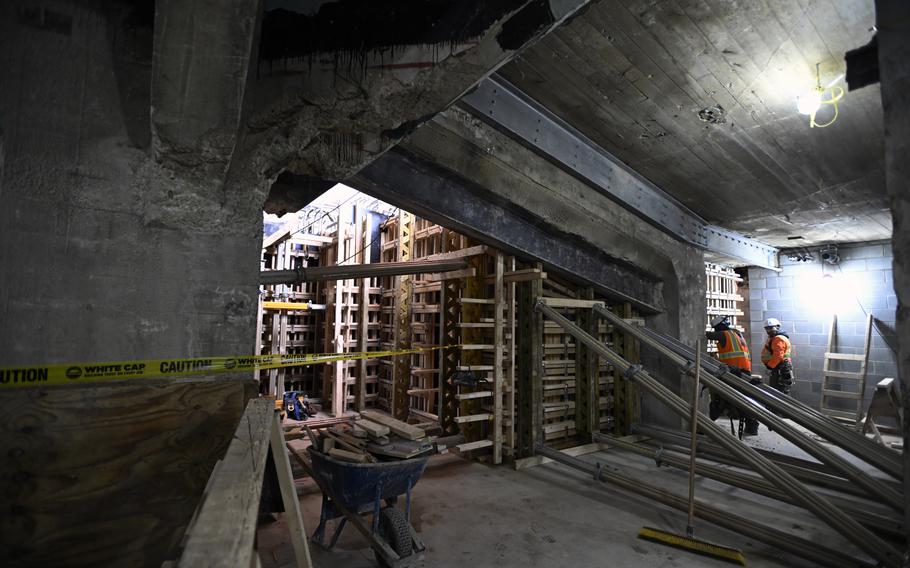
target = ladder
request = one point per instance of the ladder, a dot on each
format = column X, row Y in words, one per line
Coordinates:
column 840, row 384
column 885, row 403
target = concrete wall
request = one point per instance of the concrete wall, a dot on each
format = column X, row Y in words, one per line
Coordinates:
column 105, row 255
column 805, row 294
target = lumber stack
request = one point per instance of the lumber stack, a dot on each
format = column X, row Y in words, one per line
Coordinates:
column 372, row 438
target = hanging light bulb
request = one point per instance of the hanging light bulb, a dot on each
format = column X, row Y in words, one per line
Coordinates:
column 810, row 102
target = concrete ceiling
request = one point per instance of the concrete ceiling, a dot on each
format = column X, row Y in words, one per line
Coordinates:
column 633, row 75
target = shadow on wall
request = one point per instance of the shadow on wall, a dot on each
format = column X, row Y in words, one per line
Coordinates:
column 805, row 295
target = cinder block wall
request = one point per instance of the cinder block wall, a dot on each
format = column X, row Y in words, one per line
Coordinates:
column 805, row 294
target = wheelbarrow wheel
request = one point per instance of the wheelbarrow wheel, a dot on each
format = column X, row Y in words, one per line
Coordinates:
column 395, row 530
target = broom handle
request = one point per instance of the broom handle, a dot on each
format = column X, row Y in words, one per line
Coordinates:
column 693, row 422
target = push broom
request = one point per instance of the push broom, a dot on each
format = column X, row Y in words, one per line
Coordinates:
column 689, row 542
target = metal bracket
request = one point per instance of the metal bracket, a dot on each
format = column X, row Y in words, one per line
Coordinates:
column 633, row 370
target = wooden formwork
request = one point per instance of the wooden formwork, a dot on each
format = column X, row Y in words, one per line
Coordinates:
column 351, row 322
column 284, row 330
column 723, row 298
column 563, row 364
column 469, row 385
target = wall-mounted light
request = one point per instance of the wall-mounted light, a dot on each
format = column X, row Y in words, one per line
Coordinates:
column 810, row 102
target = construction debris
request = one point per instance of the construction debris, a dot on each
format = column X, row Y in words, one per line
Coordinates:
column 379, row 438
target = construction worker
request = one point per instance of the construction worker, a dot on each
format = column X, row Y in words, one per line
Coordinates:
column 733, row 351
column 776, row 355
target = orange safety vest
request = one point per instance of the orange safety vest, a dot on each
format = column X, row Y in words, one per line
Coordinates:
column 734, row 352
column 767, row 353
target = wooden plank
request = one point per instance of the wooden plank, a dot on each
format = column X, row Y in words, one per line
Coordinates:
column 348, row 456
column 72, row 452
column 451, row 275
column 476, row 394
column 289, row 496
column 841, row 414
column 844, row 356
column 470, row 446
column 525, row 275
column 473, row 418
column 843, row 375
column 571, row 303
column 461, row 253
column 841, row 394
column 372, row 428
column 225, row 529
column 576, row 451
column 398, row 427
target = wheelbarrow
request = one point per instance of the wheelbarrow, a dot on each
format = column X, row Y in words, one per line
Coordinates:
column 353, row 490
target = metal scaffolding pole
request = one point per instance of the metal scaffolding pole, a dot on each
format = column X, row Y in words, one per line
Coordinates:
column 807, row 471
column 884, row 459
column 784, row 541
column 848, row 527
column 679, row 459
column 348, row 271
column 874, row 486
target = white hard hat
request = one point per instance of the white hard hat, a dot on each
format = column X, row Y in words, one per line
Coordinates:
column 772, row 322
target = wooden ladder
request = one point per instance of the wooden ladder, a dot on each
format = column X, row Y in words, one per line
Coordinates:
column 845, row 384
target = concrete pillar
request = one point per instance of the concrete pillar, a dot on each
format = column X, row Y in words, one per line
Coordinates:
column 107, row 253
column 893, row 22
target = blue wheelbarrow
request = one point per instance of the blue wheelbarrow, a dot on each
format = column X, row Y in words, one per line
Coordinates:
column 354, row 490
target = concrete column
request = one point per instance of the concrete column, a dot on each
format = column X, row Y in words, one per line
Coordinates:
column 893, row 22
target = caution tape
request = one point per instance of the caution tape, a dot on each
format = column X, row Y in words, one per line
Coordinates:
column 45, row 375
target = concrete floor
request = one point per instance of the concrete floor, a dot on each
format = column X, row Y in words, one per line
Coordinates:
column 473, row 514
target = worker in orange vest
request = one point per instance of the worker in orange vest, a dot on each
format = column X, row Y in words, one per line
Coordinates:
column 733, row 351
column 776, row 355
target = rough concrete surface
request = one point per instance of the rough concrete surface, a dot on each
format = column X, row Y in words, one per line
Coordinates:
column 893, row 18
column 472, row 514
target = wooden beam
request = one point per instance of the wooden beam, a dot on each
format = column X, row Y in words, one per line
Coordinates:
column 571, row 303
column 225, row 528
column 533, row 461
column 461, row 253
column 289, row 495
column 398, row 427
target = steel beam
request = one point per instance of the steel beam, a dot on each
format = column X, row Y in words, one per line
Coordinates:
column 506, row 108
column 434, row 193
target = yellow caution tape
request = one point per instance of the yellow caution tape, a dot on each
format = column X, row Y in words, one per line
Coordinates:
column 288, row 306
column 44, row 375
